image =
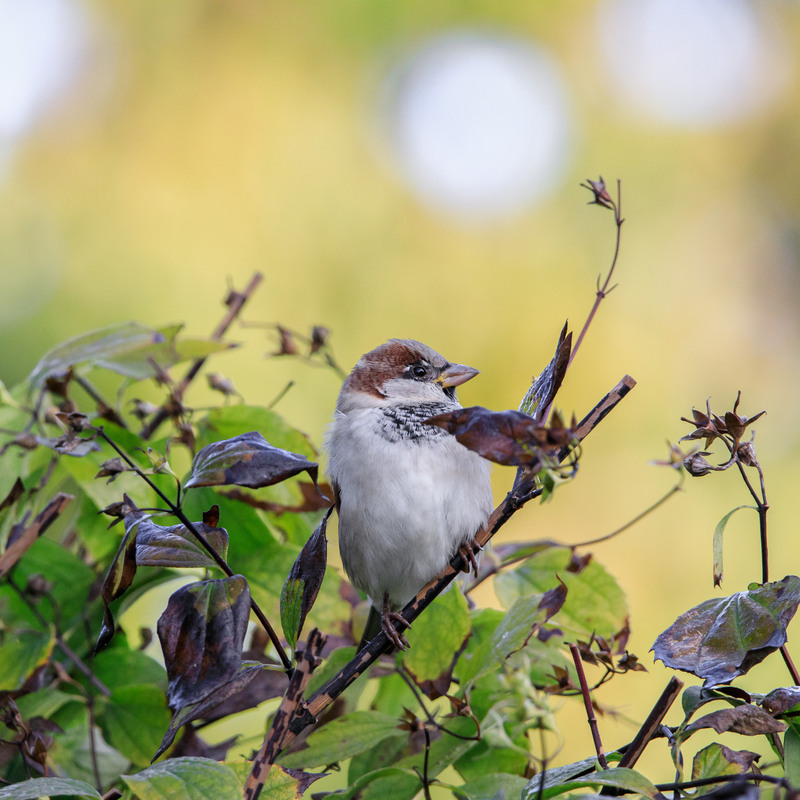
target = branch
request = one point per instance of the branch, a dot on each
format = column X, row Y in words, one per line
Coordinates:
column 587, row 704
column 234, row 301
column 308, row 711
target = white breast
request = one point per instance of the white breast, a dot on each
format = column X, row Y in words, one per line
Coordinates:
column 405, row 506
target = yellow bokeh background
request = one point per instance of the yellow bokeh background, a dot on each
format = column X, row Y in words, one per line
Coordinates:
column 201, row 142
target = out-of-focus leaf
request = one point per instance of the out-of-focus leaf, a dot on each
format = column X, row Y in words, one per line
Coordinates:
column 510, row 635
column 21, row 652
column 176, row 545
column 132, row 721
column 118, row 667
column 510, row 438
column 718, row 531
column 98, row 346
column 405, row 784
column 500, row 786
column 719, row 640
column 184, row 779
column 47, row 787
column 716, row 760
column 544, row 388
column 246, row 460
column 344, row 737
column 780, row 700
column 595, row 603
column 303, row 583
column 616, row 777
column 201, row 633
column 23, row 537
column 437, row 639
column 200, row 709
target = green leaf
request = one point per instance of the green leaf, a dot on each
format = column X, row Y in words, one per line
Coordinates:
column 721, row 639
column 117, row 667
column 595, row 602
column 618, row 778
column 437, row 639
column 184, row 779
column 716, row 760
column 21, row 652
column 344, row 737
column 500, row 786
column 133, row 720
column 303, row 583
column 47, row 787
column 718, row 531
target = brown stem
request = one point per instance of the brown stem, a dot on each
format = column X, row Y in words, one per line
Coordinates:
column 309, row 710
column 235, row 301
column 787, row 659
column 206, row 545
column 587, row 703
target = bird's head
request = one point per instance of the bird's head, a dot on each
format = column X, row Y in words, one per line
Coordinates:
column 402, row 372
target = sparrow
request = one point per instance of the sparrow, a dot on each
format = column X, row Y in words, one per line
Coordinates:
column 408, row 495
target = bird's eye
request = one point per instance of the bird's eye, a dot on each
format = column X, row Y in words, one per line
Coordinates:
column 418, row 371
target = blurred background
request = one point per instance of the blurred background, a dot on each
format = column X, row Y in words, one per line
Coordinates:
column 408, row 169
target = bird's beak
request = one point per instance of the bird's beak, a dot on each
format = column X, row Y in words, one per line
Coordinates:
column 456, row 374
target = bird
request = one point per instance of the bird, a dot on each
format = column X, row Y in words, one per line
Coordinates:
column 408, row 495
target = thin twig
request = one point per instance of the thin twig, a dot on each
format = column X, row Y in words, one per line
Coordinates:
column 104, row 408
column 235, row 301
column 787, row 659
column 603, row 291
column 587, row 703
column 207, row 546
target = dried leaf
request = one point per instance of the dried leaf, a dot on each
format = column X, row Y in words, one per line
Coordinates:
column 505, row 437
column 246, row 460
column 176, row 545
column 745, row 719
column 201, row 633
column 719, row 640
column 544, row 388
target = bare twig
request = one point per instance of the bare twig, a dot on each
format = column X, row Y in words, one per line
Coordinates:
column 652, row 724
column 604, row 289
column 587, row 703
column 234, row 301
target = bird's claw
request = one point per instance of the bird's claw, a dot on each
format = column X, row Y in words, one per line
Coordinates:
column 389, row 619
column 468, row 551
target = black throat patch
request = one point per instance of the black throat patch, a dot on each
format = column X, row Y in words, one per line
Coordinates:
column 405, row 423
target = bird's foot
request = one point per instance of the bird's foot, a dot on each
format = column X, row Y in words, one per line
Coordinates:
column 389, row 619
column 469, row 551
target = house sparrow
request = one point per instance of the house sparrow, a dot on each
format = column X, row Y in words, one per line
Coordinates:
column 408, row 494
